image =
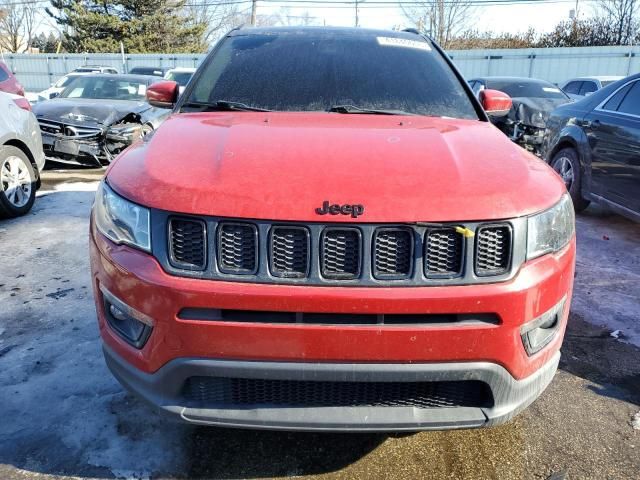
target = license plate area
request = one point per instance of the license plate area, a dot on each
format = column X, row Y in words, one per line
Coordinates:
column 66, row 146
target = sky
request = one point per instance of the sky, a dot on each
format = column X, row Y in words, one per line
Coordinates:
column 496, row 18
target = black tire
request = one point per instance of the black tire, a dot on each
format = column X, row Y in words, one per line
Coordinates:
column 10, row 205
column 567, row 164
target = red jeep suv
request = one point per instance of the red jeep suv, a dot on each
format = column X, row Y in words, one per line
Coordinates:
column 329, row 234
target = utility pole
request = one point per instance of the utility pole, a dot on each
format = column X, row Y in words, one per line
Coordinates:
column 356, row 13
column 254, row 7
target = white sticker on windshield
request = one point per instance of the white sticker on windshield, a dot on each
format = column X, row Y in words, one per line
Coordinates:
column 403, row 42
column 551, row 89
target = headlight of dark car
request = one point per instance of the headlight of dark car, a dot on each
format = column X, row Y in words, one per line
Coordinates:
column 537, row 120
column 551, row 230
column 127, row 132
column 121, row 220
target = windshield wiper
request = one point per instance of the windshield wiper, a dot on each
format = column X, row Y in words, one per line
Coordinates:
column 354, row 109
column 224, row 106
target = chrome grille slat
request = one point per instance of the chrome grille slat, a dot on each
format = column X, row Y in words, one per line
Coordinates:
column 289, row 252
column 341, row 252
column 443, row 253
column 493, row 249
column 187, row 239
column 237, row 248
column 393, row 253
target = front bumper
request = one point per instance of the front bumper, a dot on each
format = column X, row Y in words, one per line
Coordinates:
column 78, row 151
column 163, row 389
column 179, row 348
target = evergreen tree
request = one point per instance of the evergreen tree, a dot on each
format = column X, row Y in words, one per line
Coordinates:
column 143, row 26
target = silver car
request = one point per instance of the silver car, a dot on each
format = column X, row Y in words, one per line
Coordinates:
column 21, row 156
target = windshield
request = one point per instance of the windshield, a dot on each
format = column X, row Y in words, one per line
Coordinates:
column 319, row 70
column 181, row 78
column 104, row 88
column 516, row 88
column 64, row 81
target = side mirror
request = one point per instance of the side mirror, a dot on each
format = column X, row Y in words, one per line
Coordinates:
column 495, row 102
column 163, row 94
column 54, row 95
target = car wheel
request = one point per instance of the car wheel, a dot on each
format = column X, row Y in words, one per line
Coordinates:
column 17, row 183
column 567, row 165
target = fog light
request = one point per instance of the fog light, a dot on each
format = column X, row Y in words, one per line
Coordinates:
column 132, row 326
column 539, row 332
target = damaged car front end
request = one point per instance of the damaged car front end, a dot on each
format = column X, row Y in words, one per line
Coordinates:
column 532, row 102
column 93, row 131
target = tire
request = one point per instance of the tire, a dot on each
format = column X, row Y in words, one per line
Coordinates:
column 17, row 182
column 567, row 164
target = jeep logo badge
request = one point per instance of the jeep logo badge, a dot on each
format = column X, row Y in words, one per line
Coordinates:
column 335, row 209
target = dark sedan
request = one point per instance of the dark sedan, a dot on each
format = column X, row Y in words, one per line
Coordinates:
column 594, row 144
column 533, row 100
column 96, row 117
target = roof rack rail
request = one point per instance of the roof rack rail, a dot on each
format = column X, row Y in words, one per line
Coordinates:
column 411, row 30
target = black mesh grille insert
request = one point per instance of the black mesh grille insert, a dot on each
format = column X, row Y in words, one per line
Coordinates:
column 289, row 249
column 493, row 249
column 237, row 248
column 443, row 253
column 341, row 253
column 393, row 253
column 203, row 391
column 187, row 245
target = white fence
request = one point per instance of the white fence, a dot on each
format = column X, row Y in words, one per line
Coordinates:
column 37, row 72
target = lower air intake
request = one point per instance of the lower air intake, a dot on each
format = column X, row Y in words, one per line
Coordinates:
column 203, row 391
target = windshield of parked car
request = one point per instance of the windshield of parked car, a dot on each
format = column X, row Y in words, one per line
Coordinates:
column 295, row 71
column 516, row 88
column 105, row 88
column 64, row 81
column 181, row 78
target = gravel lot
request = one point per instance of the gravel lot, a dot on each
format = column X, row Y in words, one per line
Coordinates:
column 62, row 415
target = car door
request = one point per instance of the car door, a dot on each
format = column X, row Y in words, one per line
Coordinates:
column 613, row 133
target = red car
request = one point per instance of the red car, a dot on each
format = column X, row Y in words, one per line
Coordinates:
column 329, row 234
column 8, row 82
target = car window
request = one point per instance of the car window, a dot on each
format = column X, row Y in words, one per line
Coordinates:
column 104, row 88
column 588, row 87
column 524, row 88
column 631, row 102
column 614, row 102
column 573, row 88
column 3, row 75
column 478, row 87
column 313, row 72
column 181, row 78
column 63, row 82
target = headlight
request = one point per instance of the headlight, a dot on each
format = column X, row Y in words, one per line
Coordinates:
column 120, row 220
column 550, row 230
column 537, row 120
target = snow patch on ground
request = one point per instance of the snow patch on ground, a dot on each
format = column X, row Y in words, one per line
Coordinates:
column 607, row 283
column 61, row 411
column 635, row 423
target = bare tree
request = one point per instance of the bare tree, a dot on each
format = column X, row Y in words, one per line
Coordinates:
column 622, row 18
column 286, row 18
column 443, row 20
column 219, row 17
column 18, row 25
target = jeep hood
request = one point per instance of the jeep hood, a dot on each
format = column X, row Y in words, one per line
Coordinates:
column 282, row 166
column 80, row 111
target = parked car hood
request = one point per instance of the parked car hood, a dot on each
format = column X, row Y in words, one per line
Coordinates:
column 524, row 108
column 282, row 166
column 79, row 111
